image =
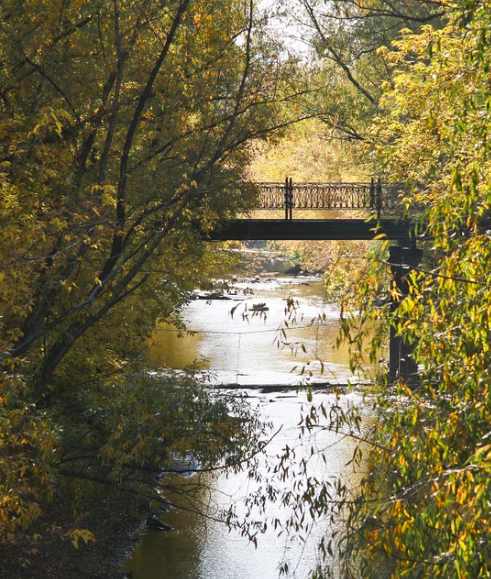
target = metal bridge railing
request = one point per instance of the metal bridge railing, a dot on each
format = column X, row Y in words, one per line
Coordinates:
column 374, row 196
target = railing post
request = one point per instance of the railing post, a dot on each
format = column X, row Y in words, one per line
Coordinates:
column 372, row 193
column 379, row 198
column 291, row 198
column 286, row 198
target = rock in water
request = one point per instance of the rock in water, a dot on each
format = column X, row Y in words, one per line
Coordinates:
column 155, row 523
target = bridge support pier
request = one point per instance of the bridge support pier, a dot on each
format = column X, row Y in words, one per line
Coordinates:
column 404, row 257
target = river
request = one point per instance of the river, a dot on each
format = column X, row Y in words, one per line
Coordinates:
column 245, row 350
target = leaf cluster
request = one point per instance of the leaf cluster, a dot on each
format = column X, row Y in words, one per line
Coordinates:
column 425, row 509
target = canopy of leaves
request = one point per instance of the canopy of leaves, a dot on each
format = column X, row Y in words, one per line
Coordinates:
column 345, row 36
column 424, row 510
column 123, row 138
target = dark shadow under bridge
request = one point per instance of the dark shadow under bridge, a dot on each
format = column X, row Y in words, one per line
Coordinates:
column 361, row 201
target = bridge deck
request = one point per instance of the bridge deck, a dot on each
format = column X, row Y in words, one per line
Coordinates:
column 298, row 229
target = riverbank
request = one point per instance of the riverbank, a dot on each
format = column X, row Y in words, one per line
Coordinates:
column 114, row 522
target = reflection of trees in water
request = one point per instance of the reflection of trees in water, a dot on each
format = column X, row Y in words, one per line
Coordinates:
column 204, row 549
column 248, row 348
column 173, row 348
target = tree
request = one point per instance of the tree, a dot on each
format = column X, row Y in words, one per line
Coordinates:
column 437, row 109
column 117, row 161
column 346, row 36
column 423, row 509
column 124, row 127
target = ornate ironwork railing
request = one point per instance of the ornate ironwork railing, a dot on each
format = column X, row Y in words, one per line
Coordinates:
column 373, row 196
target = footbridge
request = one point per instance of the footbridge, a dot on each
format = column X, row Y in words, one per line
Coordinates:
column 352, row 211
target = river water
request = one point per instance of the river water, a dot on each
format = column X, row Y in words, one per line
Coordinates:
column 244, row 351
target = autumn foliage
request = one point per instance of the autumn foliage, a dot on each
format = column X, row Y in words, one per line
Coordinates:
column 123, row 138
column 424, row 511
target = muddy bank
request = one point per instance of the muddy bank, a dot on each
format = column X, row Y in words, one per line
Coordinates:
column 113, row 519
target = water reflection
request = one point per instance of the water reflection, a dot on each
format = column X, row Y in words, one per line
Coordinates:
column 242, row 352
column 201, row 549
